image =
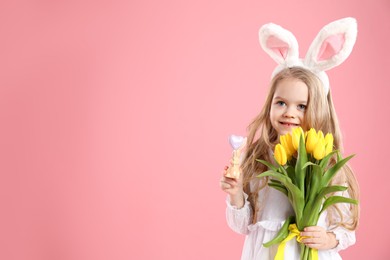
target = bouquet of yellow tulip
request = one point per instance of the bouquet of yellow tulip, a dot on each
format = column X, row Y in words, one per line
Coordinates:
column 303, row 174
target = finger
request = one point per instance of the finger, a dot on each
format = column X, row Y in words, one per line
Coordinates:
column 310, row 234
column 223, row 179
column 313, row 228
column 230, row 180
column 311, row 240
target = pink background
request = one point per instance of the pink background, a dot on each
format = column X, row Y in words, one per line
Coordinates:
column 115, row 117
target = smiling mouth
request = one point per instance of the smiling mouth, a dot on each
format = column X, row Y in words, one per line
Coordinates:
column 288, row 124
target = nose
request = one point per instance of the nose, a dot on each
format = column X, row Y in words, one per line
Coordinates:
column 289, row 113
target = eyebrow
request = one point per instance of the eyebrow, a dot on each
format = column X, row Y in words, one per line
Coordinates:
column 301, row 102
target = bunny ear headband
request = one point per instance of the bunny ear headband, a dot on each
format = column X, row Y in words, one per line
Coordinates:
column 330, row 48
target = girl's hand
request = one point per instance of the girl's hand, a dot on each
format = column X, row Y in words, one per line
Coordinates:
column 234, row 188
column 319, row 238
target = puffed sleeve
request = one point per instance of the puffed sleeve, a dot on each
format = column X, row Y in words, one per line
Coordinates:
column 238, row 219
column 345, row 237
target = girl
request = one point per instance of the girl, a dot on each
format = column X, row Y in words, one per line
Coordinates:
column 298, row 96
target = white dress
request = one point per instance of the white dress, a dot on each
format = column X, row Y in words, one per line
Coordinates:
column 276, row 210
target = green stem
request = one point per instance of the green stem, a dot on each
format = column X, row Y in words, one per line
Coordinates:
column 308, row 183
column 302, row 252
column 305, row 252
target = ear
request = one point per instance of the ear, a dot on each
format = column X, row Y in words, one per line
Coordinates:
column 332, row 45
column 279, row 43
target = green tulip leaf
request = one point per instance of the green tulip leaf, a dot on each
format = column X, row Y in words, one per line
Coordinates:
column 297, row 198
column 315, row 184
column 291, row 173
column 307, row 164
column 283, row 170
column 277, row 176
column 339, row 156
column 334, row 169
column 324, row 162
column 279, row 187
column 301, row 161
column 275, row 181
column 311, row 206
column 337, row 199
column 315, row 205
column 330, row 189
column 282, row 234
column 269, row 165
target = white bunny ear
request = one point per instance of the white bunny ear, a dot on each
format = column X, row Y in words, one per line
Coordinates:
column 279, row 43
column 332, row 45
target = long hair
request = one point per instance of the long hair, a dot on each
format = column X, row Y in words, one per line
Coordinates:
column 262, row 137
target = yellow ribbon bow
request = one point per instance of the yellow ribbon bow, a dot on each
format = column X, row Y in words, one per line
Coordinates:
column 294, row 232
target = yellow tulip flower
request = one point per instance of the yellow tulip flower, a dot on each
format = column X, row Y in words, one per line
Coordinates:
column 328, row 143
column 296, row 135
column 311, row 140
column 320, row 135
column 286, row 142
column 319, row 149
column 280, row 154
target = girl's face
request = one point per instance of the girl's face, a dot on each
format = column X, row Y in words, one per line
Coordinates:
column 288, row 105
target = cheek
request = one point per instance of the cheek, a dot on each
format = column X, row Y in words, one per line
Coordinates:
column 273, row 114
column 302, row 119
column 275, row 118
column 274, row 111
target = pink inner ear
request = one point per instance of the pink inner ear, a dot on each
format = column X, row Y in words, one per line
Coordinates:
column 331, row 46
column 278, row 46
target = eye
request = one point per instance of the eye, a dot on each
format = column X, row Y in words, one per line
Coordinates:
column 301, row 107
column 280, row 103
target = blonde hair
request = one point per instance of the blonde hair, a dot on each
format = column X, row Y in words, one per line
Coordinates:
column 262, row 137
